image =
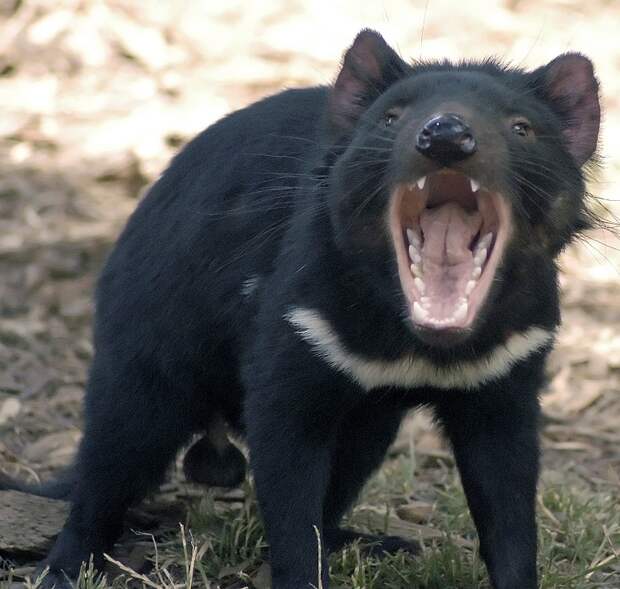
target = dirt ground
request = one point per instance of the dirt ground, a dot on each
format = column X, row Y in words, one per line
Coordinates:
column 95, row 98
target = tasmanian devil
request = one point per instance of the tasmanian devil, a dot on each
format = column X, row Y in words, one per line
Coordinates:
column 314, row 265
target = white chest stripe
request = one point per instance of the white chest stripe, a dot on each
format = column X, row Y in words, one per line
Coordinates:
column 410, row 371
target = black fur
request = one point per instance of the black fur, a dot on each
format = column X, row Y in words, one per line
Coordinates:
column 282, row 205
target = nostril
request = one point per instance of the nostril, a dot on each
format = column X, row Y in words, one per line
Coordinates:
column 468, row 143
column 424, row 140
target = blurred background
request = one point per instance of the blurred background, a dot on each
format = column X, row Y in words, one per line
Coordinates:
column 96, row 96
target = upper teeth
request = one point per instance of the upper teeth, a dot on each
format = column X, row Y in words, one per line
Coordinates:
column 421, row 182
column 416, row 269
column 481, row 251
column 416, row 258
column 413, row 238
column 475, row 186
column 414, row 254
column 480, row 257
column 485, row 241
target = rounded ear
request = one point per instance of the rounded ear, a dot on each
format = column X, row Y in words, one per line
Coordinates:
column 370, row 67
column 569, row 84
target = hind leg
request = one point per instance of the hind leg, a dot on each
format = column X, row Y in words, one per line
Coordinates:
column 135, row 423
column 213, row 460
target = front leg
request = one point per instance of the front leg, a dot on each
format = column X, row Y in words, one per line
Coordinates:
column 363, row 438
column 291, row 422
column 494, row 435
column 291, row 474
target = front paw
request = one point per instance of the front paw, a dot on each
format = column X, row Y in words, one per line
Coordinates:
column 370, row 544
column 383, row 545
column 51, row 579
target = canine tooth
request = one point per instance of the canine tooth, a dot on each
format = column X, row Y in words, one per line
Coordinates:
column 419, row 284
column 413, row 238
column 461, row 312
column 418, row 312
column 475, row 186
column 421, row 182
column 480, row 257
column 469, row 287
column 476, row 272
column 414, row 254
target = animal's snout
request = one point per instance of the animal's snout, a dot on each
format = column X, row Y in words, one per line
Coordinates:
column 446, row 138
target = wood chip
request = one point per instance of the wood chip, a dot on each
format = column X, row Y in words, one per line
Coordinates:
column 416, row 511
column 379, row 520
column 54, row 450
column 9, row 408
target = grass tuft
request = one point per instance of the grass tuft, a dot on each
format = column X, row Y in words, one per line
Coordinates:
column 224, row 545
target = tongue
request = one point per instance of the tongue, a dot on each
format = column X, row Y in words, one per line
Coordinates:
column 447, row 261
column 448, row 232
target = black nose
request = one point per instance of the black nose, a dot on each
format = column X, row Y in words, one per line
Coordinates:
column 446, row 138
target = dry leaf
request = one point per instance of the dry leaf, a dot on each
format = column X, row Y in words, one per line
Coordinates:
column 9, row 408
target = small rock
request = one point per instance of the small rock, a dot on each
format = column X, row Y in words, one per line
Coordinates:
column 28, row 523
column 262, row 578
column 53, row 450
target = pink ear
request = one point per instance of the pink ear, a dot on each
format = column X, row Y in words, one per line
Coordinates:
column 369, row 67
column 569, row 83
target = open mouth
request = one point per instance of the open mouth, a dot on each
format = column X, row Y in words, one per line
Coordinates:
column 449, row 234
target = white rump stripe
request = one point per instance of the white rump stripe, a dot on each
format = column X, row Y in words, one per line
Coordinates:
column 409, row 371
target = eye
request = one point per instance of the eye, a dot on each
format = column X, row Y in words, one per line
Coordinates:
column 522, row 128
column 390, row 117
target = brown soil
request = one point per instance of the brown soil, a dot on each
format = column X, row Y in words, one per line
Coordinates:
column 96, row 97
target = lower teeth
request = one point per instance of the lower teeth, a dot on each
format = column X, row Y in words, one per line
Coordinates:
column 459, row 313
